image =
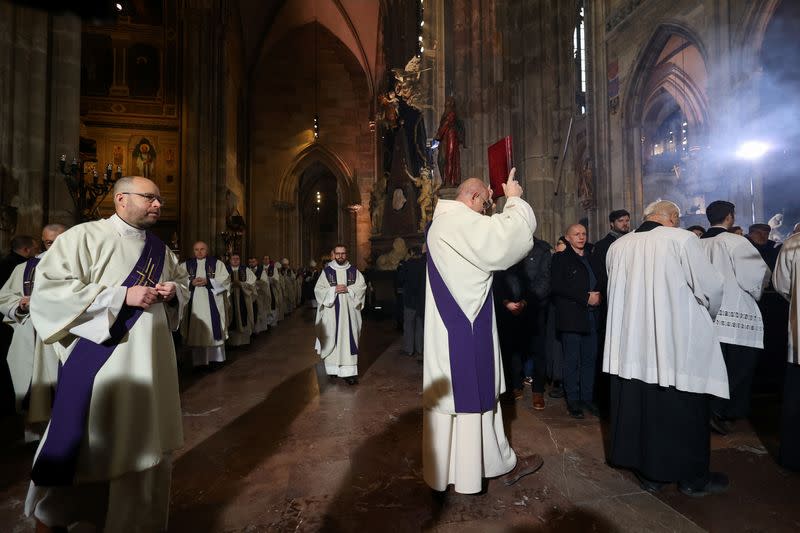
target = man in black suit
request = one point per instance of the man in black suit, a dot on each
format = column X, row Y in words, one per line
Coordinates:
column 574, row 288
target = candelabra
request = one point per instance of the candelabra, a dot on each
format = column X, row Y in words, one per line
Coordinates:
column 87, row 194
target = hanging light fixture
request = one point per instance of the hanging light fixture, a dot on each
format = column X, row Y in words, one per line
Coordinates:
column 316, row 80
column 421, row 20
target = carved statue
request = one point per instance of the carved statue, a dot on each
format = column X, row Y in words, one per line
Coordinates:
column 408, row 83
column 391, row 259
column 390, row 112
column 377, row 201
column 427, row 195
column 586, row 185
column 451, row 138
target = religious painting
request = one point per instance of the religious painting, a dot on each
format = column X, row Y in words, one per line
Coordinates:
column 144, row 71
column 97, row 65
column 144, row 158
column 118, row 155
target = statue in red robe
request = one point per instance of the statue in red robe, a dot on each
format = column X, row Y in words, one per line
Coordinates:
column 451, row 138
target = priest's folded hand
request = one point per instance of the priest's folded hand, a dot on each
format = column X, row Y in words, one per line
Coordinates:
column 199, row 282
column 24, row 303
column 166, row 291
column 140, row 296
column 341, row 289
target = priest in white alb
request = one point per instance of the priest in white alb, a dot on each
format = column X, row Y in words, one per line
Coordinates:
column 205, row 326
column 33, row 364
column 786, row 280
column 663, row 355
column 274, row 307
column 463, row 439
column 243, row 292
column 290, row 284
column 340, row 291
column 739, row 326
column 108, row 295
column 263, row 301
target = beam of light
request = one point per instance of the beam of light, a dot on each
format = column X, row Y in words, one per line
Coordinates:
column 752, row 150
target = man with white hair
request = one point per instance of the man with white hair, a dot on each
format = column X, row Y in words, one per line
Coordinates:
column 663, row 355
column 33, row 365
column 107, row 296
column 205, row 328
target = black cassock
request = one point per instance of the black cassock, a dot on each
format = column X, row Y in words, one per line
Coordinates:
column 790, row 419
column 660, row 432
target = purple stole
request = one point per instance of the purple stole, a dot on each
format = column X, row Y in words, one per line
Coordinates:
column 351, row 279
column 241, row 273
column 58, row 456
column 211, row 268
column 471, row 347
column 28, row 275
column 258, row 271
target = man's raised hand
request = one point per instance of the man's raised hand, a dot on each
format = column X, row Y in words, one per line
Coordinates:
column 512, row 188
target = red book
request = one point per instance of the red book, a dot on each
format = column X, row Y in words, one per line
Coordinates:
column 500, row 164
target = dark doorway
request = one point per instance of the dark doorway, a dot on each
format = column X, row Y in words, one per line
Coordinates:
column 319, row 212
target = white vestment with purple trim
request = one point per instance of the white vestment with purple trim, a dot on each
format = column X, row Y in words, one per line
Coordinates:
column 463, row 435
column 338, row 321
column 134, row 417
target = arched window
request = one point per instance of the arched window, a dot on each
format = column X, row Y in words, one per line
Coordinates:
column 579, row 54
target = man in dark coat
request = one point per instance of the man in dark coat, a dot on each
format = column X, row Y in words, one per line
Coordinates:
column 574, row 288
column 23, row 247
column 536, row 268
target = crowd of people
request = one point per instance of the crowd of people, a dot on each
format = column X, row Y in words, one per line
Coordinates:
column 659, row 329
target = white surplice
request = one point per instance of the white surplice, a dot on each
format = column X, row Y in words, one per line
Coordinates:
column 467, row 247
column 276, row 282
column 263, row 299
column 333, row 345
column 240, row 332
column 659, row 328
column 134, row 419
column 746, row 274
column 196, row 328
column 786, row 280
column 33, row 365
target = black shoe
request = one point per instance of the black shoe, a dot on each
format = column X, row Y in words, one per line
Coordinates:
column 649, row 485
column 592, row 408
column 719, row 425
column 717, row 484
column 351, row 380
column 575, row 411
column 557, row 391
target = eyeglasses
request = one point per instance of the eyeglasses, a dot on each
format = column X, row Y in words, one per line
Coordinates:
column 487, row 204
column 149, row 197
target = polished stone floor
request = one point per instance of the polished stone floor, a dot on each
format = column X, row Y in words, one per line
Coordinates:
column 272, row 445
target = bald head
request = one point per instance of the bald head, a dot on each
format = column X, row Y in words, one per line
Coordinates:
column 200, row 250
column 474, row 193
column 576, row 237
column 137, row 201
column 50, row 232
column 664, row 212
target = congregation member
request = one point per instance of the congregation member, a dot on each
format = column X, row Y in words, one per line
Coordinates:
column 205, row 326
column 340, row 292
column 758, row 235
column 697, row 230
column 576, row 297
column 263, row 302
column 536, row 271
column 310, row 277
column 620, row 224
column 786, row 280
column 463, row 438
column 738, row 324
column 108, row 294
column 411, row 277
column 663, row 355
column 510, row 292
column 242, row 295
column 33, row 365
column 23, row 247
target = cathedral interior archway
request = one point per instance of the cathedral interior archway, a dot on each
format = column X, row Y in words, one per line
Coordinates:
column 321, row 220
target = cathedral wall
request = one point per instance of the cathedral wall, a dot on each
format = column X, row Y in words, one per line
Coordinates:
column 282, row 144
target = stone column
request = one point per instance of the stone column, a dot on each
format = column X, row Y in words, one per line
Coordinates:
column 39, row 114
column 203, row 200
